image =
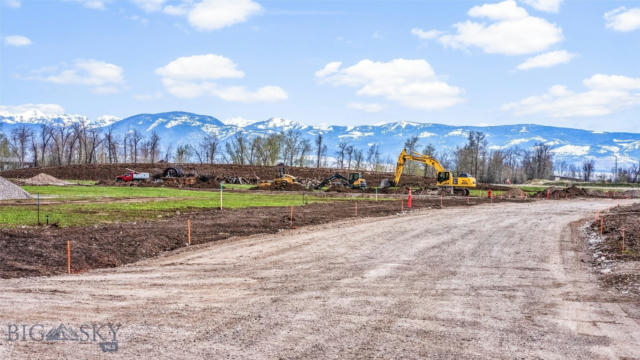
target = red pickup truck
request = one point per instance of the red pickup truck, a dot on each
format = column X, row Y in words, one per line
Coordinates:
column 133, row 175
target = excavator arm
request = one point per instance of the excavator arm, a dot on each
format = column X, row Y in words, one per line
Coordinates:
column 425, row 159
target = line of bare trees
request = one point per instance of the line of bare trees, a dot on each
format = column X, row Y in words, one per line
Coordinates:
column 82, row 144
column 78, row 144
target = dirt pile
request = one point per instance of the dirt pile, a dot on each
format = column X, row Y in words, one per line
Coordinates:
column 516, row 193
column 563, row 193
column 627, row 217
column 45, row 179
column 11, row 191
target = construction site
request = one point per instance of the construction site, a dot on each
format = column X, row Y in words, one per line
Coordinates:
column 253, row 259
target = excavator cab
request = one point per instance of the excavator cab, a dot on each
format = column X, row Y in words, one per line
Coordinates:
column 357, row 181
column 443, row 177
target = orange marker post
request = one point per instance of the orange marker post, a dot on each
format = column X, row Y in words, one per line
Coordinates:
column 189, row 231
column 68, row 257
column 409, row 199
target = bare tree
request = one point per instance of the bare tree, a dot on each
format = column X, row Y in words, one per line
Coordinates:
column 154, row 146
column 357, row 158
column 136, row 137
column 342, row 150
column 320, row 149
column 349, row 153
column 587, row 169
column 237, row 149
column 20, row 138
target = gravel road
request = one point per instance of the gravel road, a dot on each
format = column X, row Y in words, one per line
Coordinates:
column 491, row 281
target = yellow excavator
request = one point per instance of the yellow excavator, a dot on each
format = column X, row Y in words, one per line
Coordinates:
column 458, row 184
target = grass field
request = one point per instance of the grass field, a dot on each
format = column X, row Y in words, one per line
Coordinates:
column 146, row 203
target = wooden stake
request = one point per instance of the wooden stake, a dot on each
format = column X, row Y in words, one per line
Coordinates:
column 220, row 196
column 189, row 230
column 601, row 225
column 68, row 257
column 401, row 204
column 623, row 239
column 441, row 206
column 356, row 208
column 291, row 217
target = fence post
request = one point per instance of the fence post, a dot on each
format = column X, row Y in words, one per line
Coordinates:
column 38, row 209
column 68, row 257
column 189, row 230
column 220, row 196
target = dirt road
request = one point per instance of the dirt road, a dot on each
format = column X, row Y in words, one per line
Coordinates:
column 501, row 281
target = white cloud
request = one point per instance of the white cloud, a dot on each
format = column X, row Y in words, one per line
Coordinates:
column 512, row 32
column 102, row 77
column 31, row 110
column 217, row 14
column 329, row 69
column 552, row 6
column 426, row 35
column 194, row 76
column 366, row 107
column 606, row 94
column 546, row 60
column 200, row 67
column 412, row 83
column 623, row 19
column 12, row 3
column 17, row 40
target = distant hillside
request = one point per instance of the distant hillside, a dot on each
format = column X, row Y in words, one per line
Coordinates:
column 178, row 128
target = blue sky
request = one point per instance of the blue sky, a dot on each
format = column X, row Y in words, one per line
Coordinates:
column 567, row 63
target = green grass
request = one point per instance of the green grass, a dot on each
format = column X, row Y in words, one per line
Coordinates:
column 89, row 214
column 93, row 192
column 238, row 186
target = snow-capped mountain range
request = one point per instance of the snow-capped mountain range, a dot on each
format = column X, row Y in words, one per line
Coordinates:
column 178, row 128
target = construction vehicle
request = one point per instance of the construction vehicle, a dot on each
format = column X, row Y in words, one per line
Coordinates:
column 282, row 180
column 133, row 175
column 355, row 181
column 458, row 184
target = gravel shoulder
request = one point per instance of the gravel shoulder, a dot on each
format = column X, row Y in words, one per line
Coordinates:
column 490, row 281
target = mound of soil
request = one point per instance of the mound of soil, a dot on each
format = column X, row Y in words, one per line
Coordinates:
column 45, row 179
column 516, row 193
column 11, row 191
column 563, row 193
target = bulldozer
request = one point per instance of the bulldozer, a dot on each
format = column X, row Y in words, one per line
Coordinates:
column 458, row 184
column 355, row 181
column 282, row 180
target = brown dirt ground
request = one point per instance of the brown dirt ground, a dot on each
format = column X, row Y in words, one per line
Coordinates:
column 34, row 251
column 627, row 217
